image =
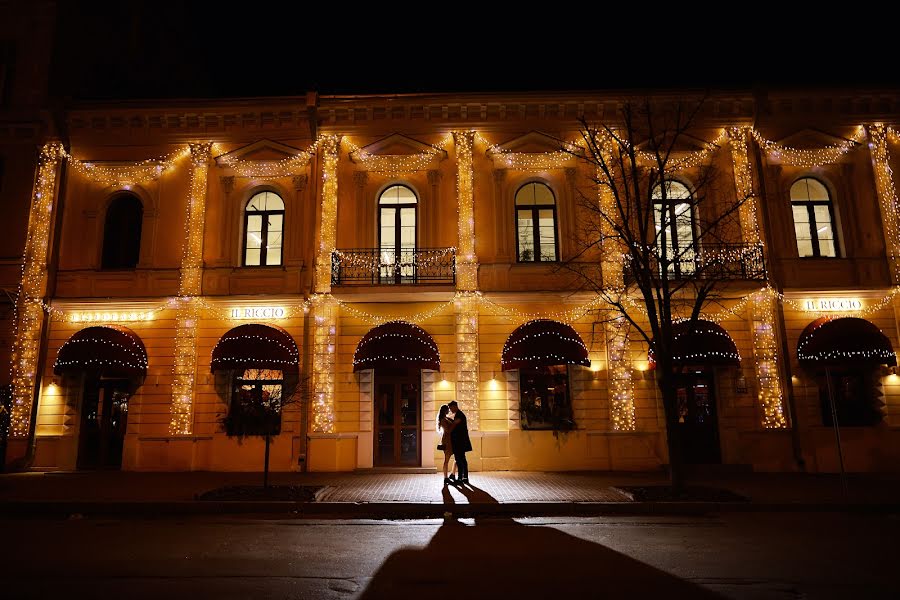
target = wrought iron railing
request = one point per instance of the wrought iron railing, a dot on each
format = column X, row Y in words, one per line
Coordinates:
column 374, row 266
column 732, row 262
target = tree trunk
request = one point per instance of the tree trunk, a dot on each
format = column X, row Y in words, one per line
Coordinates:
column 673, row 433
column 266, row 467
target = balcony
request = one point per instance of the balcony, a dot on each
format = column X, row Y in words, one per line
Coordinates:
column 373, row 266
column 726, row 262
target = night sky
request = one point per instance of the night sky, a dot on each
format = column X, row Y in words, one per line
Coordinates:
column 141, row 49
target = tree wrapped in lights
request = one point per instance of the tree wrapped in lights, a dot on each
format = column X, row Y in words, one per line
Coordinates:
column 664, row 225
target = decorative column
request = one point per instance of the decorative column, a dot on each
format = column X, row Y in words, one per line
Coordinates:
column 330, row 153
column 621, row 386
column 325, row 308
column 189, row 303
column 29, row 306
column 762, row 305
column 765, row 354
column 887, row 195
column 324, row 324
column 466, row 304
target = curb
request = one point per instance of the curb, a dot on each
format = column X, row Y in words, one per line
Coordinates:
column 400, row 510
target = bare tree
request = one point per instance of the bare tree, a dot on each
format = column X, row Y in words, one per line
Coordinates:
column 663, row 221
column 258, row 398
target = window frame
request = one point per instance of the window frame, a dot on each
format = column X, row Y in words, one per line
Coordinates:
column 235, row 404
column 810, row 206
column 535, row 221
column 138, row 235
column 398, row 233
column 565, row 420
column 675, row 267
column 264, row 232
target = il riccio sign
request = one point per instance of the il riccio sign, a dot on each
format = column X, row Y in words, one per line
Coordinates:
column 258, row 312
column 833, row 304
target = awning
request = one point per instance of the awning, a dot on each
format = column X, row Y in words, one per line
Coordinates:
column 706, row 343
column 108, row 349
column 844, row 341
column 255, row 346
column 543, row 343
column 397, row 344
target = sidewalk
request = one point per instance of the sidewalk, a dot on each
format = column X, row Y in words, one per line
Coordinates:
column 408, row 495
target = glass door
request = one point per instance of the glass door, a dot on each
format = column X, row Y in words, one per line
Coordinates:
column 104, row 420
column 397, row 428
column 697, row 419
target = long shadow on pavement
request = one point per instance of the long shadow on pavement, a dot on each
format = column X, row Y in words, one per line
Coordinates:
column 501, row 558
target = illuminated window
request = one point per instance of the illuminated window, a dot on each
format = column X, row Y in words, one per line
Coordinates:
column 263, row 230
column 397, row 233
column 536, row 223
column 122, row 233
column 813, row 218
column 256, row 403
column 544, row 401
column 857, row 396
column 673, row 218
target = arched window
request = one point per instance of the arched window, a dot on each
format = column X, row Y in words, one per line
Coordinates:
column 397, row 232
column 122, row 233
column 263, row 229
column 673, row 217
column 813, row 218
column 536, row 223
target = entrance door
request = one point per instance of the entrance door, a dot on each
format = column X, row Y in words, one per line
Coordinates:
column 398, row 400
column 104, row 418
column 697, row 420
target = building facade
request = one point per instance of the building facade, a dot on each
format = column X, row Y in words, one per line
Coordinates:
column 357, row 261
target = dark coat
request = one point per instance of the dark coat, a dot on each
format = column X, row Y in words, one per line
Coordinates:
column 460, row 434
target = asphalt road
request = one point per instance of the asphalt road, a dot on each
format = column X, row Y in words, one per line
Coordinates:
column 737, row 555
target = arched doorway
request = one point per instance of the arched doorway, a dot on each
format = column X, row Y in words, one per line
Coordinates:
column 397, row 351
column 844, row 355
column 109, row 363
column 697, row 351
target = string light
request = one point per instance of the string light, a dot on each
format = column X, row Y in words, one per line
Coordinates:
column 324, row 325
column 394, row 165
column 765, row 353
column 419, row 349
column 188, row 311
column 808, row 158
column 132, row 173
column 688, row 161
column 467, row 359
column 271, row 169
column 882, row 355
column 373, row 263
column 621, row 385
column 89, row 348
column 466, row 261
column 887, row 195
column 331, row 153
column 531, row 161
column 29, row 306
column 107, row 317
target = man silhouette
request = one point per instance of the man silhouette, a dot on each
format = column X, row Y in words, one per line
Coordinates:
column 461, row 442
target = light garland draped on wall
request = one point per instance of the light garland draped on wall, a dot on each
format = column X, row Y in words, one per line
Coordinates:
column 324, row 324
column 765, row 347
column 188, row 311
column 29, row 305
column 808, row 157
column 466, row 261
column 621, row 385
column 331, row 145
column 887, row 196
column 467, row 359
column 132, row 173
column 394, row 165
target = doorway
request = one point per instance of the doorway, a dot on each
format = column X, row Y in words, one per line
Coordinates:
column 697, row 419
column 398, row 404
column 104, row 419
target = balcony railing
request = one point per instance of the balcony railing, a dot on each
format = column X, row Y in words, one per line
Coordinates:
column 374, row 266
column 731, row 262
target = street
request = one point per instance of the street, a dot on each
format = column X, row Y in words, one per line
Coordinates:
column 738, row 555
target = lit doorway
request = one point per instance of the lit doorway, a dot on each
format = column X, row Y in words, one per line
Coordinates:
column 698, row 422
column 104, row 420
column 398, row 407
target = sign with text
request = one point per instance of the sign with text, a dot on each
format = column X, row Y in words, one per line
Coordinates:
column 832, row 304
column 258, row 312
